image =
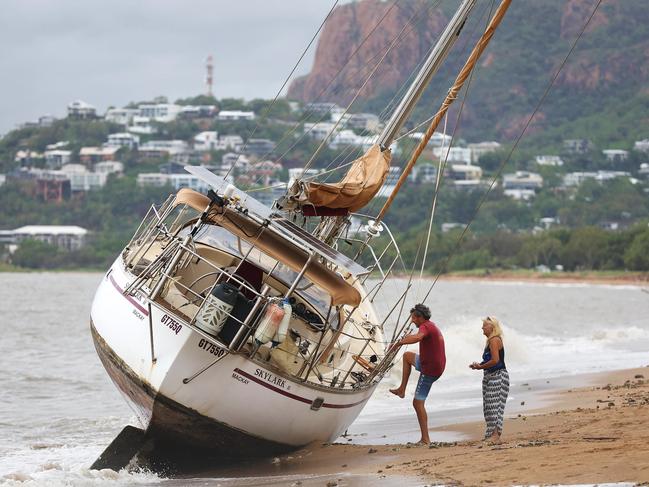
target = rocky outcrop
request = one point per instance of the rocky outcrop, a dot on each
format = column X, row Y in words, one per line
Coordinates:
column 354, row 41
column 574, row 15
column 590, row 71
column 601, row 66
column 612, row 56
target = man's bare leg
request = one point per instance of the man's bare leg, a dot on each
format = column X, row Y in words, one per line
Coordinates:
column 408, row 364
column 422, row 417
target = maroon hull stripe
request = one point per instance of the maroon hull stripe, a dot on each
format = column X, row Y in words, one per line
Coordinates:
column 130, row 299
column 293, row 396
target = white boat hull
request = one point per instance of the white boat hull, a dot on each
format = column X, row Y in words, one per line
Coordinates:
column 237, row 406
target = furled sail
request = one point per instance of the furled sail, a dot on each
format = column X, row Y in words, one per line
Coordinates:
column 362, row 181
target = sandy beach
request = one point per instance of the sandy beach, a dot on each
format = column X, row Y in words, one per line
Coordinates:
column 583, row 435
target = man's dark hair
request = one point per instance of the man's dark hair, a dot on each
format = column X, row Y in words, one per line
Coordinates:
column 421, row 310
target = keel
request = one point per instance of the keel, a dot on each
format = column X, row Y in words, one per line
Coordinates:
column 121, row 450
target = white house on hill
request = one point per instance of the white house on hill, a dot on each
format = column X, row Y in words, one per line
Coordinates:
column 79, row 109
column 67, row 237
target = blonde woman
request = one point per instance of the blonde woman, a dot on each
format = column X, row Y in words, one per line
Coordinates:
column 495, row 383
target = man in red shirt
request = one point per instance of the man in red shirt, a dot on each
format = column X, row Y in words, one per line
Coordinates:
column 430, row 363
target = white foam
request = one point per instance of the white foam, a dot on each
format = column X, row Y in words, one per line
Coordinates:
column 79, row 477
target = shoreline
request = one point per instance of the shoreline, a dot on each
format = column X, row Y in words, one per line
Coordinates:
column 589, row 434
column 620, row 278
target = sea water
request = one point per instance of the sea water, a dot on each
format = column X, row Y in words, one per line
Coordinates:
column 59, row 410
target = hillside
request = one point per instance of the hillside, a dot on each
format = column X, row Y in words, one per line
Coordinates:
column 602, row 93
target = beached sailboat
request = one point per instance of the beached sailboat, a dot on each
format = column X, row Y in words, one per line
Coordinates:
column 230, row 328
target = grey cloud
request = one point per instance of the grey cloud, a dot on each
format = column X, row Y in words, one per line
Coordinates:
column 113, row 52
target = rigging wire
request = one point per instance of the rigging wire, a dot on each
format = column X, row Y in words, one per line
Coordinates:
column 442, row 165
column 409, row 27
column 438, row 180
column 511, row 152
column 348, row 152
column 462, row 50
column 268, row 108
column 393, row 101
column 358, row 92
column 308, row 113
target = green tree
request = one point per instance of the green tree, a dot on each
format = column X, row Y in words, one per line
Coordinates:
column 540, row 249
column 586, row 249
column 637, row 255
column 34, row 254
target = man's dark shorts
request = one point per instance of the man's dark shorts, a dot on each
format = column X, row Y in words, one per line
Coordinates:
column 424, row 383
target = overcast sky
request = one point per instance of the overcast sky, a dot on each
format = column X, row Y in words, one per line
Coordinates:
column 110, row 52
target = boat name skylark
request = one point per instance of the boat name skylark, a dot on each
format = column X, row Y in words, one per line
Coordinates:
column 210, row 347
column 270, row 378
column 172, row 324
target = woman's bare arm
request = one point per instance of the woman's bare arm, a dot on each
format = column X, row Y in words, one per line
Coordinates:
column 495, row 345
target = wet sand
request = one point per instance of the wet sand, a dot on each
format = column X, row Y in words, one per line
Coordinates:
column 593, row 434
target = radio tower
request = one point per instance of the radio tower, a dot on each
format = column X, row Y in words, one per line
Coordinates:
column 209, row 68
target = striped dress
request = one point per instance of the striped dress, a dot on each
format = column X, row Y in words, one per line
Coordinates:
column 495, row 389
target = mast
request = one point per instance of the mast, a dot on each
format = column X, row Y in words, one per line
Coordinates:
column 450, row 98
column 430, row 67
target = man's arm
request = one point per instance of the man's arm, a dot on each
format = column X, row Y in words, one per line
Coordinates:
column 412, row 338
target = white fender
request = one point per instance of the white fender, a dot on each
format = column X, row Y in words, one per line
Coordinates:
column 269, row 324
column 282, row 329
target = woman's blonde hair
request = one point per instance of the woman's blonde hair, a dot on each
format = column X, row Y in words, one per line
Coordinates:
column 497, row 328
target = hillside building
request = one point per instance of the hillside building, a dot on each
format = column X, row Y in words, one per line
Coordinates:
column 142, row 126
column 522, row 180
column 123, row 139
column 321, row 108
column 318, row 131
column 176, row 181
column 455, row 154
column 56, row 158
column 91, row 155
column 121, row 116
column 479, row 149
column 438, row 139
column 578, row 146
column 109, row 167
column 367, row 122
column 258, row 147
column 641, row 145
column 234, row 115
column 27, row 158
column 159, row 112
column 616, row 155
column 159, row 148
column 464, row 172
column 80, row 110
column 206, row 141
column 345, row 138
column 197, row 111
column 554, row 161
column 577, row 178
column 66, row 237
